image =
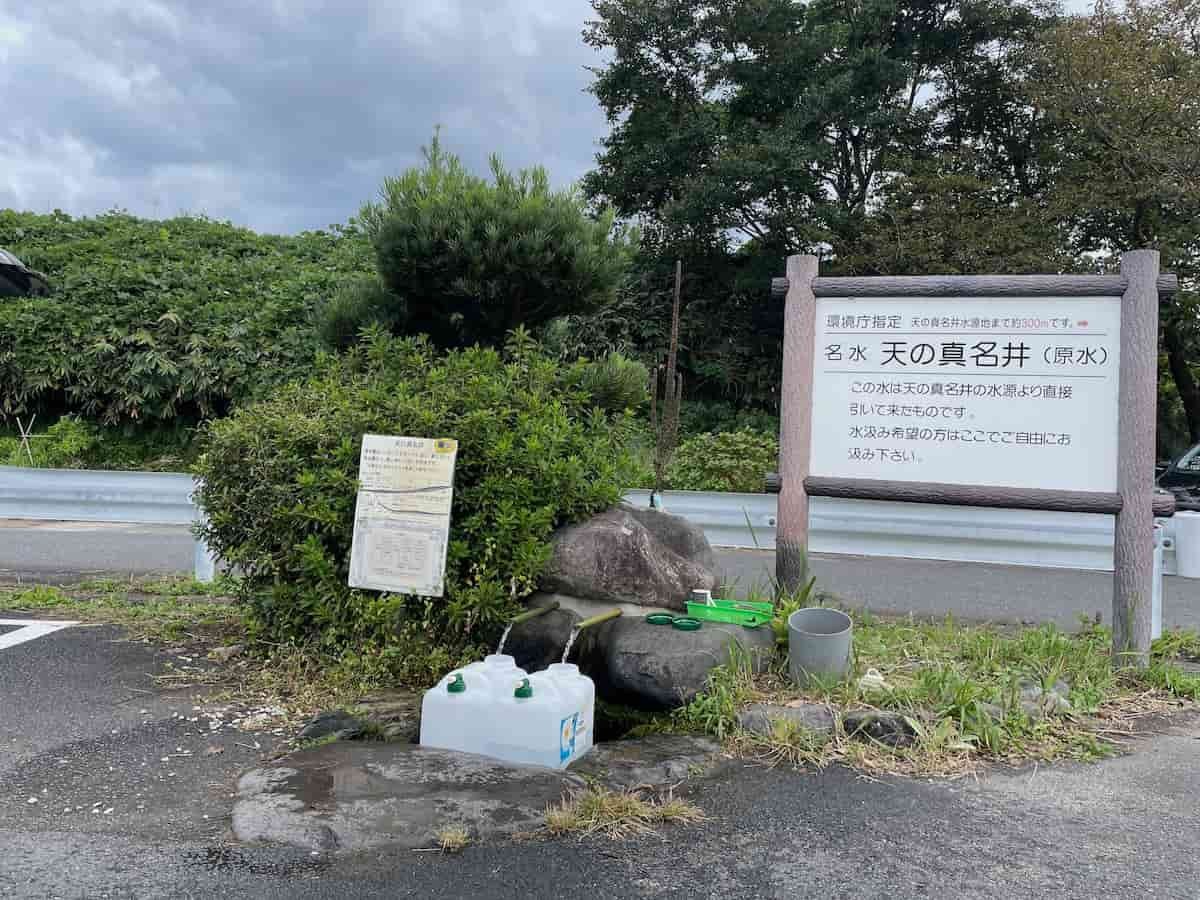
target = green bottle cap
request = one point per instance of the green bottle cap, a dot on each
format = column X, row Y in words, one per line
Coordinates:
column 457, row 686
column 524, row 690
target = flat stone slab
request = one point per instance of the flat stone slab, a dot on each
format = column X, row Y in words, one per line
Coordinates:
column 660, row 760
column 349, row 796
column 354, row 796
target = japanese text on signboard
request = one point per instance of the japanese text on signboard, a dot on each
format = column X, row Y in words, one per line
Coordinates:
column 402, row 516
column 1006, row 392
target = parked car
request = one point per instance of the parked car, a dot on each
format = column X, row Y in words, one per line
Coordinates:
column 18, row 280
column 1182, row 478
column 1184, row 472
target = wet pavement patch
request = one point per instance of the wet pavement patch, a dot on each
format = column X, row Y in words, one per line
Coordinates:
column 350, row 796
column 232, row 859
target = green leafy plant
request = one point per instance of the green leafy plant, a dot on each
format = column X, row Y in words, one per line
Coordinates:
column 65, row 444
column 715, row 710
column 279, row 481
column 156, row 322
column 614, row 383
column 733, row 461
column 787, row 602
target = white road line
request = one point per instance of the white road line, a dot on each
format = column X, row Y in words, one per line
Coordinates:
column 28, row 630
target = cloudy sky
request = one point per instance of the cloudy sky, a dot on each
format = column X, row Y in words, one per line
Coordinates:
column 279, row 114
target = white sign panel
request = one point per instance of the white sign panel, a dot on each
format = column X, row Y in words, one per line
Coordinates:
column 1005, row 392
column 402, row 519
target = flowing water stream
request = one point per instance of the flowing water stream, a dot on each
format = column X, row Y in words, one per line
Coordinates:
column 570, row 643
column 503, row 638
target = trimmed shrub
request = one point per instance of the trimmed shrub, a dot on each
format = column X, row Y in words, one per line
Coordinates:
column 280, row 479
column 730, row 461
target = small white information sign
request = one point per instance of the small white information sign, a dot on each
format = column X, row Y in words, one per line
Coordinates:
column 1005, row 392
column 402, row 518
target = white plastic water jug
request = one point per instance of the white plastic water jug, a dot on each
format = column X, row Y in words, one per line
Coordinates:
column 495, row 709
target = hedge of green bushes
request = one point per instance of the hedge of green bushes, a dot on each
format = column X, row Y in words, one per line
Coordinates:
column 162, row 321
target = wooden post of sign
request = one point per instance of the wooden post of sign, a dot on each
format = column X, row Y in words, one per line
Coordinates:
column 795, row 422
column 1133, row 548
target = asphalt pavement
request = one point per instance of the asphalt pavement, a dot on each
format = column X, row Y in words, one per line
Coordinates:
column 51, row 552
column 62, row 552
column 114, row 786
column 979, row 592
column 117, row 782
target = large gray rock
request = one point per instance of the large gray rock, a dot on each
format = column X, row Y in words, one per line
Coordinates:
column 676, row 532
column 627, row 555
column 762, row 717
column 658, row 667
column 537, row 643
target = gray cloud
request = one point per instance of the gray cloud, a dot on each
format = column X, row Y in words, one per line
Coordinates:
column 282, row 114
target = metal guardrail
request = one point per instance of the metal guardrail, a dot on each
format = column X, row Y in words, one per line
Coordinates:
column 79, row 495
column 877, row 528
column 83, row 495
column 852, row 527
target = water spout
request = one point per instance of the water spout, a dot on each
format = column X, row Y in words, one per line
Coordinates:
column 532, row 613
column 586, row 623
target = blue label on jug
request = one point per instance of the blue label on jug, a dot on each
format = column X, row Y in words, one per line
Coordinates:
column 566, row 737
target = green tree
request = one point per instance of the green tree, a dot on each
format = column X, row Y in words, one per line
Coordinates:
column 775, row 121
column 744, row 130
column 465, row 260
column 956, row 215
column 1122, row 89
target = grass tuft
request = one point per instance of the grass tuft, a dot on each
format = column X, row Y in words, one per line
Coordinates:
column 453, row 838
column 618, row 814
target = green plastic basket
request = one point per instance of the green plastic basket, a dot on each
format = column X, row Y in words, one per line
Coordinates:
column 747, row 613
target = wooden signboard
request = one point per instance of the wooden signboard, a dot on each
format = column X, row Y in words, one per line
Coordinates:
column 1030, row 392
column 402, row 517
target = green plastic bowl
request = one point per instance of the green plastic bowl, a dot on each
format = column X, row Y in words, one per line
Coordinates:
column 683, row 623
column 660, row 619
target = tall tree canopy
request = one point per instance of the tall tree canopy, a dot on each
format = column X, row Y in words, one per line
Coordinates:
column 1121, row 89
column 776, row 121
column 910, row 136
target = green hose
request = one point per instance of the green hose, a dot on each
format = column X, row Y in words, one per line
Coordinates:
column 534, row 613
column 597, row 619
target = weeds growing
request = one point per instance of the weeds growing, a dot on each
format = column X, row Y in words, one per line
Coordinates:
column 618, row 814
column 453, row 838
column 969, row 692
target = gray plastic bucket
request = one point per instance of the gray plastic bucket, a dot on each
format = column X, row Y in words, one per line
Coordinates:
column 818, row 643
